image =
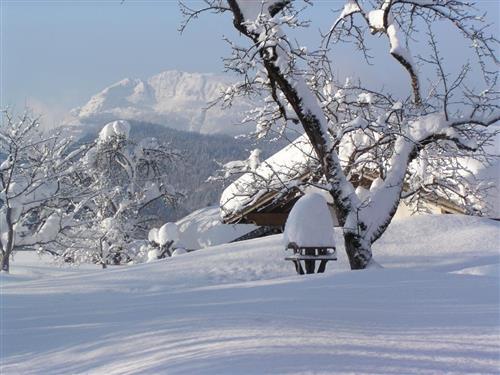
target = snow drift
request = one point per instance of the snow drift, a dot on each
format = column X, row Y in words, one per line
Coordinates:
column 203, row 228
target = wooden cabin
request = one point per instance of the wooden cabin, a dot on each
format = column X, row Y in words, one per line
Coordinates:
column 265, row 196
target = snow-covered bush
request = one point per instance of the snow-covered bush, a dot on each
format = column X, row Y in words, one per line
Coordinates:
column 168, row 233
column 164, row 241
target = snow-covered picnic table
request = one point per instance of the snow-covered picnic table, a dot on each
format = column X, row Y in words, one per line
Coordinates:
column 309, row 234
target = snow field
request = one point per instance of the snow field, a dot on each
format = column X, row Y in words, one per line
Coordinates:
column 241, row 308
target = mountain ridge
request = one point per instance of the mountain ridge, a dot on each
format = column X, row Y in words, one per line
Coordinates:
column 175, row 98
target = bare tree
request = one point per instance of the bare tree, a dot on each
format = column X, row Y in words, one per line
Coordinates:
column 354, row 129
column 126, row 180
column 38, row 197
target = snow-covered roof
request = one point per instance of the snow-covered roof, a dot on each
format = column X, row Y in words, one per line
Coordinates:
column 279, row 171
column 294, row 162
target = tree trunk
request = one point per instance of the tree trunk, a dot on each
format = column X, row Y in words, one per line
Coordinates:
column 10, row 241
column 315, row 127
column 5, row 263
column 358, row 251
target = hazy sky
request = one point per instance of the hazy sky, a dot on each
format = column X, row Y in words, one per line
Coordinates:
column 56, row 54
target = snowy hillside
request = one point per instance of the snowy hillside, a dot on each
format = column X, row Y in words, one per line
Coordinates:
column 240, row 308
column 176, row 99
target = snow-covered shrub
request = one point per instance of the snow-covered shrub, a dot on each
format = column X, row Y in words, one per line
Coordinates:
column 168, row 233
column 164, row 241
column 152, row 254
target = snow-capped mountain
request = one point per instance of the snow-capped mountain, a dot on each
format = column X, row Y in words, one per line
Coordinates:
column 176, row 99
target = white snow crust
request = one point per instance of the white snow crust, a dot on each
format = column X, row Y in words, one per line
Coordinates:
column 241, row 308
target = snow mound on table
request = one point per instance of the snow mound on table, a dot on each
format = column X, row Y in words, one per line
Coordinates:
column 310, row 223
column 203, row 228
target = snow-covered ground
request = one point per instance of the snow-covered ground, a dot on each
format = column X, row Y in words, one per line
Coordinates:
column 203, row 228
column 240, row 308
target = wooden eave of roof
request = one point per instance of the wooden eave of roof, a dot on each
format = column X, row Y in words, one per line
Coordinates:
column 265, row 199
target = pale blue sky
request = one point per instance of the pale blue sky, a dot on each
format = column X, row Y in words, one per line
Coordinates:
column 56, row 54
column 59, row 53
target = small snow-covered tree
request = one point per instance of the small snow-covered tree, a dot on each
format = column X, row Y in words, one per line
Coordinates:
column 37, row 193
column 415, row 144
column 237, row 166
column 129, row 186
